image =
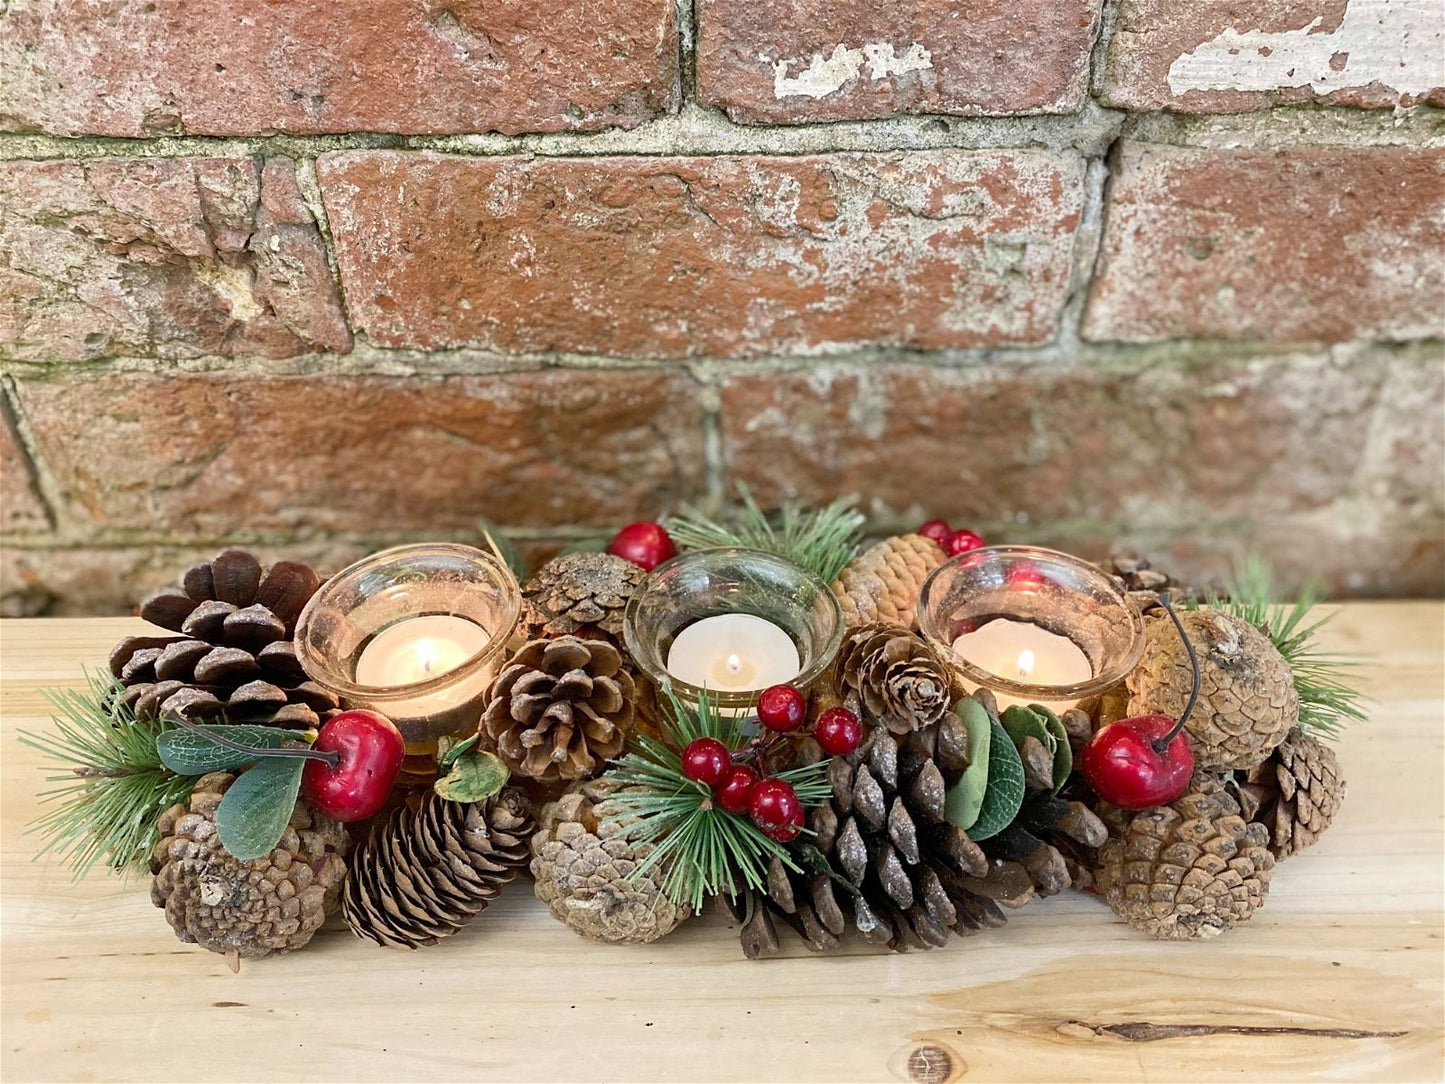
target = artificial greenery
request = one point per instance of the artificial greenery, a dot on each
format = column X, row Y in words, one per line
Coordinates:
column 822, row 540
column 703, row 849
column 1326, row 701
column 114, row 787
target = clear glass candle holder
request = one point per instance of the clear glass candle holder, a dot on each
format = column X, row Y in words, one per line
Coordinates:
column 729, row 580
column 375, row 631
column 1040, row 595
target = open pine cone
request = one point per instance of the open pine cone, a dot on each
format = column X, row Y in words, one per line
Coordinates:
column 887, row 675
column 245, row 909
column 560, row 709
column 882, row 582
column 579, row 593
column 234, row 652
column 1295, row 794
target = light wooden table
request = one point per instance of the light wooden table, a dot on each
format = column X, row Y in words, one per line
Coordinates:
column 1339, row 977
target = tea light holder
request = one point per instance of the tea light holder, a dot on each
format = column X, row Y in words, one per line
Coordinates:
column 1033, row 625
column 416, row 633
column 731, row 621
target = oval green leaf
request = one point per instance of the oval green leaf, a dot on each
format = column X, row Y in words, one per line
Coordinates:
column 1005, row 792
column 473, row 777
column 1063, row 751
column 965, row 798
column 254, row 813
column 186, row 752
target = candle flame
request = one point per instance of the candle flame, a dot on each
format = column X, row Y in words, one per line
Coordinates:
column 426, row 655
column 734, row 664
column 1026, row 663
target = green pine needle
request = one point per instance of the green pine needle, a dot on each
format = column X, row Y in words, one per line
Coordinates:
column 702, row 849
column 822, row 540
column 1326, row 702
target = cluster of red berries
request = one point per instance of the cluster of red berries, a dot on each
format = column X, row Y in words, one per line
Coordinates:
column 953, row 542
column 739, row 789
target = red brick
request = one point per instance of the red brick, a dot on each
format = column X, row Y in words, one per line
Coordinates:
column 1320, row 243
column 718, row 255
column 21, row 508
column 1231, row 56
column 160, row 257
column 789, row 61
column 133, row 68
column 208, row 455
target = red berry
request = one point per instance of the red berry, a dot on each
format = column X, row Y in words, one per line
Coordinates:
column 776, row 810
column 838, row 731
column 706, row 761
column 370, row 749
column 644, row 544
column 735, row 793
column 782, row 708
column 1123, row 766
column 1025, row 576
column 936, row 529
column 961, row 542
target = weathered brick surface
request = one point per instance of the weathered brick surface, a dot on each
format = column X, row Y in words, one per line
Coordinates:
column 788, row 61
column 169, row 258
column 212, row 455
column 21, row 508
column 1316, row 243
column 138, row 68
column 1228, row 56
column 722, row 255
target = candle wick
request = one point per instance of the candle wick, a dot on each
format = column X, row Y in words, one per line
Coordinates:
column 1025, row 663
column 734, row 664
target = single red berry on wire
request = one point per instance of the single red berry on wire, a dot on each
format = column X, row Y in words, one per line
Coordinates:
column 936, row 529
column 646, row 545
column 782, row 708
column 706, row 761
column 776, row 810
column 369, row 751
column 735, row 793
column 1125, row 766
column 961, row 542
column 838, row 731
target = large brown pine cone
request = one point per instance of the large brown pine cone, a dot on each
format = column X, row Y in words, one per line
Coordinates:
column 887, row 675
column 234, row 652
column 431, row 868
column 1187, row 870
column 1295, row 794
column 560, row 708
column 245, row 909
column 579, row 593
column 882, row 582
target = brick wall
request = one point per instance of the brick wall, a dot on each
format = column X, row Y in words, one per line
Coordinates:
column 321, row 276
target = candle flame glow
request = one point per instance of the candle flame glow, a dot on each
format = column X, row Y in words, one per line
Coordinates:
column 1025, row 663
column 426, row 655
column 734, row 664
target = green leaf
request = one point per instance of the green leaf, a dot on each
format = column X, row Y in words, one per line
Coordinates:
column 254, row 813
column 1028, row 722
column 1063, row 751
column 965, row 798
column 473, row 778
column 187, row 753
column 1005, row 794
column 449, row 748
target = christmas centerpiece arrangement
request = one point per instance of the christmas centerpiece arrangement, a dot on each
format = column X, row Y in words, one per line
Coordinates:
column 830, row 742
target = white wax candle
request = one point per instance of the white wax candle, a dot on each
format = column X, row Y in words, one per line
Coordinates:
column 733, row 653
column 418, row 649
column 1022, row 651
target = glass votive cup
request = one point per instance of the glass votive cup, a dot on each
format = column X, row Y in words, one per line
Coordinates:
column 709, row 583
column 376, row 630
column 1069, row 632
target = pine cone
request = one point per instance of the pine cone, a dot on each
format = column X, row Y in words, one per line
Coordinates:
column 560, row 708
column 1143, row 583
column 245, row 909
column 430, row 869
column 583, row 872
column 581, row 593
column 1295, row 793
column 1190, row 869
column 882, row 582
column 234, row 654
column 1247, row 699
column 887, row 675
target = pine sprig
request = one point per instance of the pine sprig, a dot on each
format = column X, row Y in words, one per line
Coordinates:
column 822, row 540
column 114, row 787
column 702, row 849
column 1326, row 701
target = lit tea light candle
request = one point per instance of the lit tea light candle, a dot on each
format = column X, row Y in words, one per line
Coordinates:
column 733, row 653
column 418, row 649
column 1022, row 651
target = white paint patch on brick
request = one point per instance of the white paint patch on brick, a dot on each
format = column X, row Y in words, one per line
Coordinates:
column 1396, row 43
column 828, row 75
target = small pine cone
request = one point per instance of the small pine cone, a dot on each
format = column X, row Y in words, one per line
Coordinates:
column 1247, row 699
column 245, row 909
column 882, row 582
column 1191, row 869
column 560, row 709
column 428, row 870
column 583, row 872
column 579, row 593
column 1295, row 793
column 1143, row 583
column 234, row 652
column 887, row 675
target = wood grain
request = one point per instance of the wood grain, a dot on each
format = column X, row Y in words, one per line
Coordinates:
column 1339, row 977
